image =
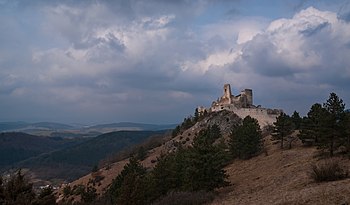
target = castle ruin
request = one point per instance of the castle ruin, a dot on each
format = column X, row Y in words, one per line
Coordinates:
column 242, row 105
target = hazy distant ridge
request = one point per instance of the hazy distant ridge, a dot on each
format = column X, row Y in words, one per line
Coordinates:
column 50, row 127
column 140, row 126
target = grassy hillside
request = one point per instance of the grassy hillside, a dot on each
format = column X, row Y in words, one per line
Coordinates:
column 275, row 176
column 75, row 161
column 281, row 177
column 16, row 146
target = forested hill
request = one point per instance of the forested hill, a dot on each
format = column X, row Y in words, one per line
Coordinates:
column 75, row 161
column 17, row 146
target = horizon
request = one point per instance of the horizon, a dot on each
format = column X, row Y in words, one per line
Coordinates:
column 88, row 124
column 155, row 62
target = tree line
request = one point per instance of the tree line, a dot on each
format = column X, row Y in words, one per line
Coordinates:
column 326, row 126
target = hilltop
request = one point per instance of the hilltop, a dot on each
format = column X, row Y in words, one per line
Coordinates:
column 275, row 176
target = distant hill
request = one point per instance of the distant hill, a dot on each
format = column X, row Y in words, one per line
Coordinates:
column 17, row 146
column 24, row 126
column 53, row 129
column 75, row 161
column 12, row 125
column 52, row 125
column 135, row 126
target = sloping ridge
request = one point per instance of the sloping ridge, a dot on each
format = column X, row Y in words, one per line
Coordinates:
column 274, row 177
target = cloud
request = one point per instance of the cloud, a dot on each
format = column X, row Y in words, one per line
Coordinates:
column 305, row 55
column 152, row 61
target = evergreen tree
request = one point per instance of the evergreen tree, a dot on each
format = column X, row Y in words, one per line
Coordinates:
column 196, row 115
column 167, row 175
column 335, row 106
column 126, row 181
column 205, row 163
column 283, row 127
column 296, row 119
column 132, row 190
column 197, row 168
column 332, row 124
column 2, row 195
column 46, row 197
column 347, row 131
column 209, row 135
column 205, row 169
column 141, row 153
column 88, row 195
column 94, row 168
column 246, row 139
column 176, row 131
column 18, row 190
column 67, row 191
column 311, row 125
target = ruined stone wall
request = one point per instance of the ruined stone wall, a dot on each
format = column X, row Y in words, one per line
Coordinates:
column 263, row 115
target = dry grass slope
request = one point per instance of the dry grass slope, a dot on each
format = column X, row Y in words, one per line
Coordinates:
column 281, row 177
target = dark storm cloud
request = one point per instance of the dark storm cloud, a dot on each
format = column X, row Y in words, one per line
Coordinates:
column 261, row 54
column 155, row 61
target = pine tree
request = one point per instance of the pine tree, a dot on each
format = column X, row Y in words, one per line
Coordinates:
column 166, row 175
column 2, row 195
column 205, row 169
column 316, row 114
column 18, row 190
column 132, row 190
column 208, row 136
column 205, row 162
column 347, row 131
column 296, row 119
column 141, row 153
column 332, row 124
column 46, row 197
column 283, row 127
column 311, row 125
column 88, row 195
column 196, row 115
column 128, row 180
column 246, row 140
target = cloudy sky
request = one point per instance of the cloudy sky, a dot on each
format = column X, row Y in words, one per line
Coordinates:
column 155, row 61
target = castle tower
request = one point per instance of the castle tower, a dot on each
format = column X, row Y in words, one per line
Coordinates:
column 227, row 92
column 249, row 94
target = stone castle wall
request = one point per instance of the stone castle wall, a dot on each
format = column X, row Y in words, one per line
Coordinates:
column 264, row 116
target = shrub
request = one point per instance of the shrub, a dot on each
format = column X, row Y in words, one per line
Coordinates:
column 328, row 170
column 67, row 191
column 186, row 198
